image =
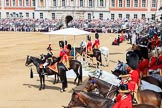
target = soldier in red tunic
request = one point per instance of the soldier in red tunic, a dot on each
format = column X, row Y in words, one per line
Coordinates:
column 143, row 63
column 89, row 44
column 133, row 80
column 123, row 99
column 96, row 43
column 63, row 55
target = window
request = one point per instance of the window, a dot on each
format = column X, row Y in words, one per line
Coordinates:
column 33, row 15
column 120, row 15
column 7, row 14
column 54, row 3
column 112, row 16
column 27, row 15
column 7, row 3
column 101, row 3
column 89, row 16
column 153, row 16
column 53, row 16
column 143, row 3
column 135, row 3
column 33, row 2
column 120, row 3
column 27, row 2
column 112, row 3
column 135, row 16
column 101, row 16
column 81, row 3
column 127, row 16
column 143, row 16
column 20, row 2
column 128, row 3
column 14, row 3
column 63, row 2
column 90, row 3
column 153, row 3
column 41, row 3
column 41, row 15
column 20, row 14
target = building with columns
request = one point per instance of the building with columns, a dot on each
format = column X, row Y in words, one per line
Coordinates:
column 87, row 9
column 83, row 9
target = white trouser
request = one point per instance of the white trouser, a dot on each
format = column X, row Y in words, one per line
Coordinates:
column 45, row 64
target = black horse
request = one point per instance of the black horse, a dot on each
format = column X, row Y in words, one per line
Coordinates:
column 61, row 71
column 73, row 64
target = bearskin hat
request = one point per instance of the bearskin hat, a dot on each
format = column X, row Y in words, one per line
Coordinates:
column 69, row 46
column 62, row 43
column 144, row 52
column 138, row 52
column 96, row 35
column 88, row 37
column 127, row 55
column 133, row 60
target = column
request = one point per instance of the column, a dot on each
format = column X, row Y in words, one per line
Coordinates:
column 3, row 14
column 149, row 5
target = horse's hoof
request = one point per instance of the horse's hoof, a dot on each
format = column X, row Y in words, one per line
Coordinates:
column 62, row 90
column 40, row 89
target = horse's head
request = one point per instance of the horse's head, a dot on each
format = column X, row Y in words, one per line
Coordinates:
column 75, row 100
column 28, row 61
column 91, row 84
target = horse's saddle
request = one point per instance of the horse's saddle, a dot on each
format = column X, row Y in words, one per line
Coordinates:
column 66, row 63
column 90, row 52
column 53, row 67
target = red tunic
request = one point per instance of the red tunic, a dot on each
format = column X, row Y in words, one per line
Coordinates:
column 134, row 76
column 152, row 63
column 96, row 43
column 160, row 62
column 63, row 54
column 89, row 46
column 143, row 66
column 124, row 101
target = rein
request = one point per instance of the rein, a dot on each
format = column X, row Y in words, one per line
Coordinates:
column 109, row 90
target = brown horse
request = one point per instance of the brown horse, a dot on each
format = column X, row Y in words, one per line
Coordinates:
column 90, row 100
column 108, row 90
column 61, row 71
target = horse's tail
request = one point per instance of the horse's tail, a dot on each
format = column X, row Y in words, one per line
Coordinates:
column 80, row 74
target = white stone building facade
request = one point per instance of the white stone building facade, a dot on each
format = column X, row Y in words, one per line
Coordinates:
column 83, row 9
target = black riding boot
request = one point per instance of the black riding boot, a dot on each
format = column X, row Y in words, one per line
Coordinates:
column 133, row 99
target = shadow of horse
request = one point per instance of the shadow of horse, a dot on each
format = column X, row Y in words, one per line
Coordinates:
column 37, row 86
